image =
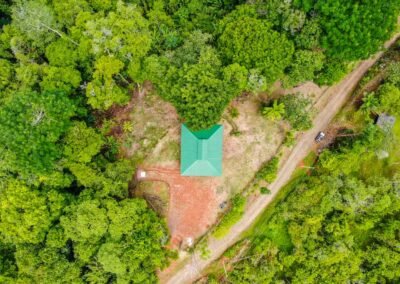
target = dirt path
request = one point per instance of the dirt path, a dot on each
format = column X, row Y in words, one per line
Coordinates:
column 330, row 103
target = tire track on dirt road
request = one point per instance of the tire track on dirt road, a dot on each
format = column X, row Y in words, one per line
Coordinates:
column 334, row 99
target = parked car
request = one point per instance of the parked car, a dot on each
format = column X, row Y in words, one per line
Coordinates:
column 320, row 136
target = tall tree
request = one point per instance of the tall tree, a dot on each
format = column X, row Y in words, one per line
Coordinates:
column 253, row 44
column 356, row 29
column 31, row 125
column 26, row 214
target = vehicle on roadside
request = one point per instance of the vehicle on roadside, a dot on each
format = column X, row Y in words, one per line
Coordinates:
column 320, row 136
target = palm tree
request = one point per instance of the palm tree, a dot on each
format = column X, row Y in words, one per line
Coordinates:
column 370, row 103
column 274, row 112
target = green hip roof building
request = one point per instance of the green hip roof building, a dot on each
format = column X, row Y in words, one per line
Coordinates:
column 201, row 151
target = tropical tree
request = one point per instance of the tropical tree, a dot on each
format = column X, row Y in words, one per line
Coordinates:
column 31, row 125
column 353, row 29
column 253, row 44
column 26, row 214
column 298, row 111
column 274, row 112
column 103, row 91
column 389, row 99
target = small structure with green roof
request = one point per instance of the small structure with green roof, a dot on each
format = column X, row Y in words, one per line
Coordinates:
column 201, row 151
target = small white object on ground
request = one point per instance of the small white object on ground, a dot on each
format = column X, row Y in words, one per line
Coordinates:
column 189, row 241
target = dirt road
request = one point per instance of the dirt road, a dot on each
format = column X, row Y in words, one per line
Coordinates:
column 330, row 103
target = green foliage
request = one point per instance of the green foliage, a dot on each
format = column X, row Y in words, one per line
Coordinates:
column 125, row 237
column 87, row 222
column 353, row 29
column 347, row 160
column 104, row 91
column 61, row 53
column 5, row 74
column 234, row 112
column 309, row 36
column 36, row 21
column 8, row 269
column 274, row 112
column 389, row 99
column 31, row 125
column 253, row 44
column 82, row 143
column 370, row 104
column 61, row 79
column 333, row 71
column 26, row 214
column 298, row 111
column 65, row 211
column 393, row 73
column 268, row 171
column 202, row 246
column 265, row 190
column 332, row 227
column 235, row 213
column 111, row 180
column 304, row 67
column 202, row 91
column 123, row 33
column 47, row 265
column 5, row 11
column 290, row 138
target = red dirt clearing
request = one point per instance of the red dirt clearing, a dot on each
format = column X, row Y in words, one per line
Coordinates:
column 192, row 202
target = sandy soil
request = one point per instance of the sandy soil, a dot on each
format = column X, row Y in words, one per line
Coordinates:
column 329, row 103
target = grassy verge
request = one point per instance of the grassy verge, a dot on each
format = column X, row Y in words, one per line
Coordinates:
column 281, row 196
column 234, row 214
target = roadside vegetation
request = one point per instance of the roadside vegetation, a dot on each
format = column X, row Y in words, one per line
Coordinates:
column 235, row 212
column 337, row 220
column 66, row 214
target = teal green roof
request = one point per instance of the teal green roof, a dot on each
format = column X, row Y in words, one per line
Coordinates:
column 201, row 151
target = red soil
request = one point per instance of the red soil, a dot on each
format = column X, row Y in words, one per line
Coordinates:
column 192, row 203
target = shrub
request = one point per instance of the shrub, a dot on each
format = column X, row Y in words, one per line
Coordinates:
column 234, row 112
column 268, row 170
column 265, row 190
column 236, row 211
column 290, row 139
column 298, row 111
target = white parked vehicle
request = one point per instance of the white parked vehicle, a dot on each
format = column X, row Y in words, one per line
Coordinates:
column 320, row 136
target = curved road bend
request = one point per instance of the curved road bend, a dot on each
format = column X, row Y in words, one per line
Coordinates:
column 335, row 98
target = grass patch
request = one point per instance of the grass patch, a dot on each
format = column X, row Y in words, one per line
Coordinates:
column 171, row 151
column 261, row 223
column 308, row 163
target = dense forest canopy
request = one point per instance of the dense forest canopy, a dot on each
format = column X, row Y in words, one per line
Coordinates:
column 65, row 211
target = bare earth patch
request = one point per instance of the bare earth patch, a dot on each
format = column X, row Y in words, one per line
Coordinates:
column 149, row 120
column 156, row 193
column 194, row 201
column 309, row 89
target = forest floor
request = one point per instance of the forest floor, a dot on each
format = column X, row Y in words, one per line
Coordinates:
column 329, row 104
